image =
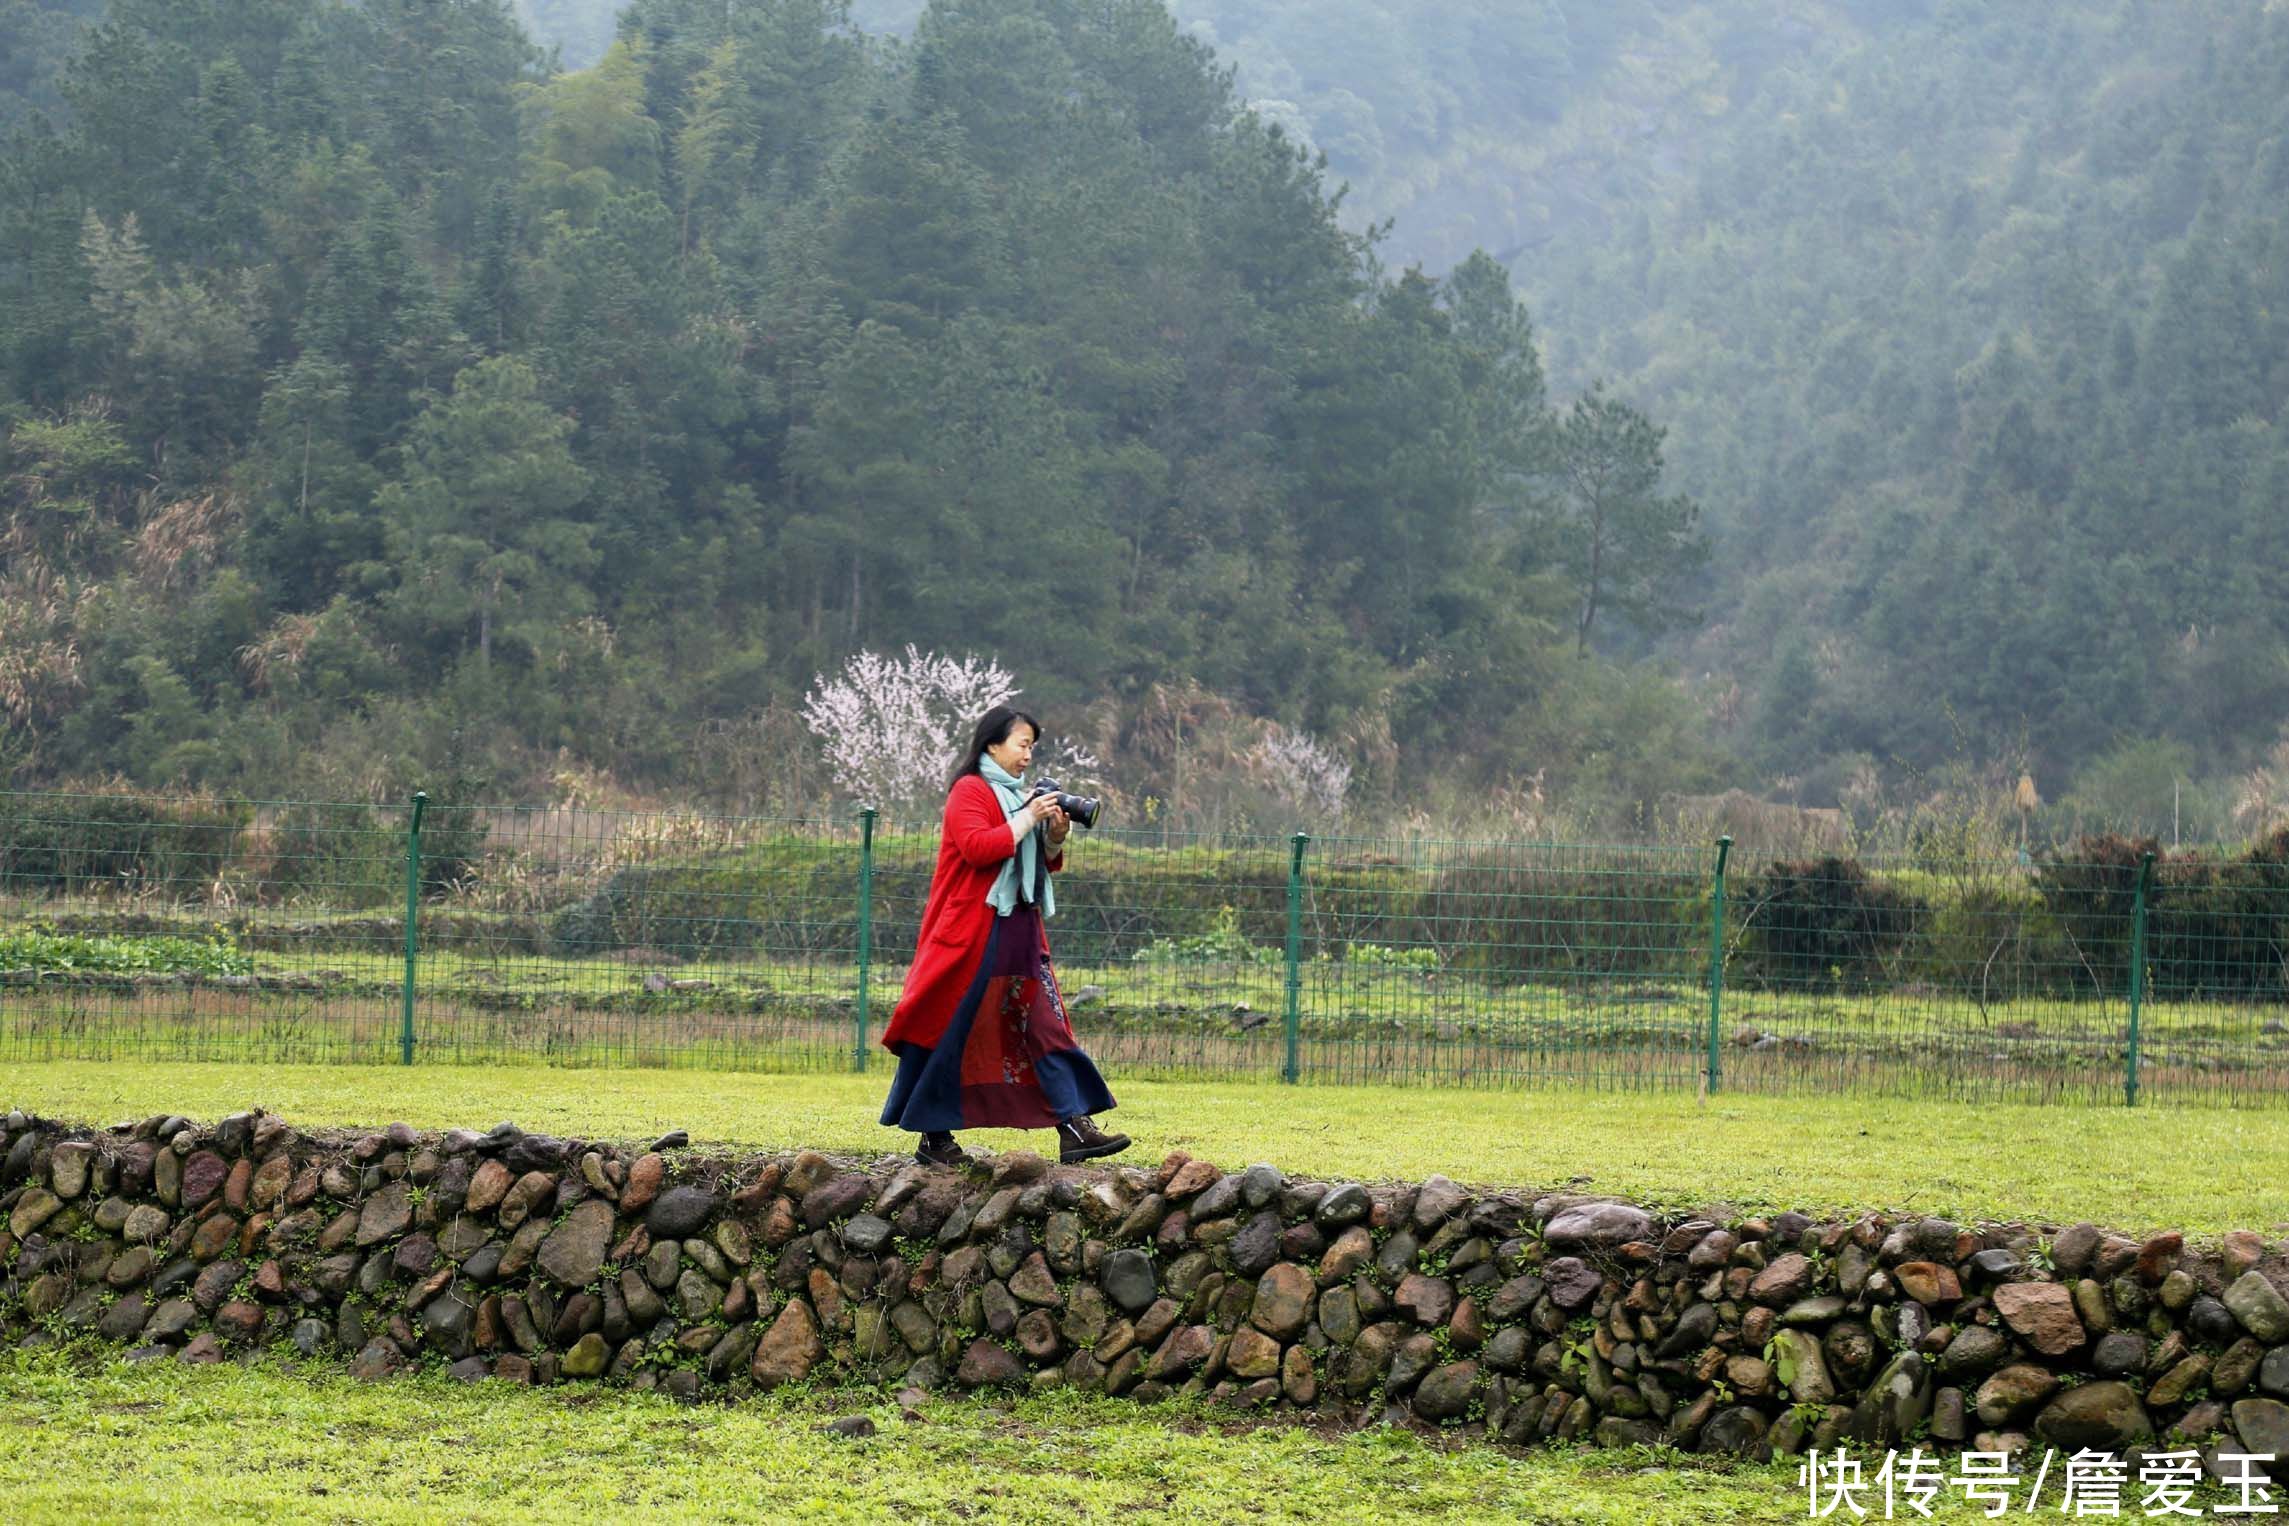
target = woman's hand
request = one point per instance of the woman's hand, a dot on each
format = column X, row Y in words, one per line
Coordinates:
column 1041, row 810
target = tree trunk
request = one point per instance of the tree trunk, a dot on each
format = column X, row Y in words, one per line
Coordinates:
column 1590, row 592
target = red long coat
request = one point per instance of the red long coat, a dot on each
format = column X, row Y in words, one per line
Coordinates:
column 956, row 921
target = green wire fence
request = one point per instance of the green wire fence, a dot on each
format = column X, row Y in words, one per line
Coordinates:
column 174, row 928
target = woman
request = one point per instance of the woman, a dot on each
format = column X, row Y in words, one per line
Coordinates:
column 980, row 1031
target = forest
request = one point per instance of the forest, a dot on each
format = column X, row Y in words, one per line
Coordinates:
column 1550, row 411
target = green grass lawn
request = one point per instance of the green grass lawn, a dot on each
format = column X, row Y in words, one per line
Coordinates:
column 88, row 1439
column 2201, row 1170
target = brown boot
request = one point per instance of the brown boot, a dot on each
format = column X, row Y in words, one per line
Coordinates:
column 939, row 1149
column 1080, row 1139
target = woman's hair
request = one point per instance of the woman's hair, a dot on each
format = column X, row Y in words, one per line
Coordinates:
column 993, row 728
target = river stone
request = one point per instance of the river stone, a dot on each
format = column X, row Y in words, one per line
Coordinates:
column 1598, row 1226
column 646, row 1175
column 866, row 1233
column 1975, row 1349
column 588, row 1357
column 574, row 1252
column 1446, row 1392
column 2119, row 1352
column 2072, row 1250
column 531, row 1194
column 1425, row 1300
column 1572, row 1282
column 415, row 1257
column 203, row 1176
column 2172, row 1387
column 1186, row 1348
column 1033, row 1283
column 1818, row 1310
column 124, row 1320
column 379, row 1358
column 1797, row 1356
column 2236, row 1366
column 643, row 1304
column 134, row 1264
column 2041, row 1312
column 388, row 1212
column 1416, row 1355
column 1736, row 1430
column 448, row 1324
column 2104, row 1416
column 2263, row 1425
column 171, row 1319
column 1694, row 1329
column 2273, row 1372
column 1353, row 1249
column 1928, row 1281
column 2013, row 1393
column 67, row 1168
column 145, row 1223
column 1128, row 1279
column 697, row 1297
column 34, row 1208
column 1437, row 1201
column 1257, row 1245
column 987, row 1364
column 789, row 1350
column 1283, row 1302
column 214, row 1236
column 1259, row 1184
column 488, row 1186
column 1251, row 1355
column 18, row 1164
column 1787, row 1279
column 2212, row 1321
column 1344, row 1205
column 830, row 1200
column 678, row 1213
column 1509, row 1350
column 1996, row 1265
column 2259, row 1306
column 1369, row 1358
column 1087, row 1314
column 1894, row 1402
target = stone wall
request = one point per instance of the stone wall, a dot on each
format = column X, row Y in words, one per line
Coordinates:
column 1513, row 1316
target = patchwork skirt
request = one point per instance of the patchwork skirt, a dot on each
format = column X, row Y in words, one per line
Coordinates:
column 1008, row 1058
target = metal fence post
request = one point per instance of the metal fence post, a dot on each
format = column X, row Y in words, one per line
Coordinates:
column 866, row 819
column 1714, row 1072
column 1290, row 1070
column 412, row 909
column 2137, row 975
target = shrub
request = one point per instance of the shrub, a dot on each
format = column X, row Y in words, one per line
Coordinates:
column 1824, row 923
column 2091, row 890
column 174, row 848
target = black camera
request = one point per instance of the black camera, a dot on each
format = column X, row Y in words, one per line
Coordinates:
column 1081, row 808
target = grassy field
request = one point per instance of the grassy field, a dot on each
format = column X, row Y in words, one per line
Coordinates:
column 87, row 1439
column 2201, row 1170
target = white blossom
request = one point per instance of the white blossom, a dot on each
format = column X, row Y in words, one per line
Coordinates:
column 1302, row 770
column 892, row 726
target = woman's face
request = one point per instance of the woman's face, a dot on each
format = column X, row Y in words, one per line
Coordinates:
column 1015, row 751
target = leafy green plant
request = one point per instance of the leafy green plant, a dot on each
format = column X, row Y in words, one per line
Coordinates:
column 73, row 953
column 1385, row 956
column 1224, row 943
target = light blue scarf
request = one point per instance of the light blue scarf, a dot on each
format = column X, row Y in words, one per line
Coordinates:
column 1023, row 869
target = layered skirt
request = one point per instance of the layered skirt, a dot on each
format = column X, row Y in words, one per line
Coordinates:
column 1008, row 1058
